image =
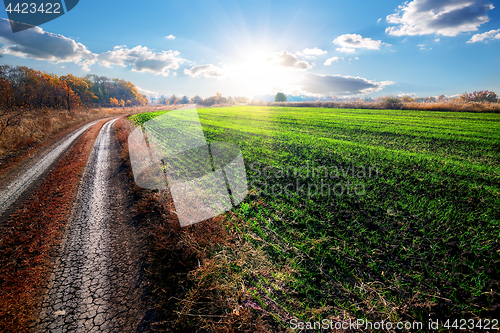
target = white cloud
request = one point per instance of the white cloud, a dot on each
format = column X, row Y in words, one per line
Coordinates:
column 421, row 46
column 339, row 85
column 170, row 37
column 356, row 58
column 37, row 44
column 443, row 17
column 286, row 59
column 329, row 61
column 207, row 71
column 413, row 95
column 485, row 36
column 146, row 92
column 142, row 59
column 345, row 49
column 315, row 51
column 437, row 39
column 380, row 19
column 350, row 42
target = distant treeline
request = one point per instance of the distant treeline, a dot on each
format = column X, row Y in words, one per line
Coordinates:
column 476, row 96
column 25, row 88
column 218, row 99
column 482, row 101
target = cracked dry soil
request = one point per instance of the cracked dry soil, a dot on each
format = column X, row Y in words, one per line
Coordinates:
column 96, row 284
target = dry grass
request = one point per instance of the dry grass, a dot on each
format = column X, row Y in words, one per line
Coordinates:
column 451, row 105
column 33, row 232
column 38, row 125
column 200, row 272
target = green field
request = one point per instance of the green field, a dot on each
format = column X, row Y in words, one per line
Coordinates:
column 378, row 214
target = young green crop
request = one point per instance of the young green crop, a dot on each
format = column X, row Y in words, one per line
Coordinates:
column 420, row 240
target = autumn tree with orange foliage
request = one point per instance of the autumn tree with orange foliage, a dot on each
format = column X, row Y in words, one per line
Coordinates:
column 77, row 91
column 34, row 89
column 104, row 88
column 24, row 89
column 113, row 101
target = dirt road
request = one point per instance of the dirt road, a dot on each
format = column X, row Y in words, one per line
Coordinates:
column 19, row 185
column 96, row 283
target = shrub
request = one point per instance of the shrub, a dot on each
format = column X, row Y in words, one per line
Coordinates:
column 391, row 103
column 480, row 96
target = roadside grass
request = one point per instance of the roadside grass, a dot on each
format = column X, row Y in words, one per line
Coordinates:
column 32, row 234
column 35, row 126
column 419, row 239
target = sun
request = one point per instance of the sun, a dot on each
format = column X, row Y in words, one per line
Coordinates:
column 259, row 75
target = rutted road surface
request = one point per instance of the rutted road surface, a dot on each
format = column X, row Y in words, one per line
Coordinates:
column 12, row 192
column 96, row 282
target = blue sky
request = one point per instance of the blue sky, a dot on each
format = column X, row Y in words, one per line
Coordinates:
column 247, row 48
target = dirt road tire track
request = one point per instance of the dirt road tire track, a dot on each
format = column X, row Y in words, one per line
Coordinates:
column 96, row 283
column 13, row 193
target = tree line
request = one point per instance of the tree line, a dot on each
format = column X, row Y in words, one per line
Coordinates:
column 26, row 88
column 477, row 101
column 479, row 96
column 212, row 100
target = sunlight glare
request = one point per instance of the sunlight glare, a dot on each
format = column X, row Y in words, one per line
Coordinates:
column 258, row 75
